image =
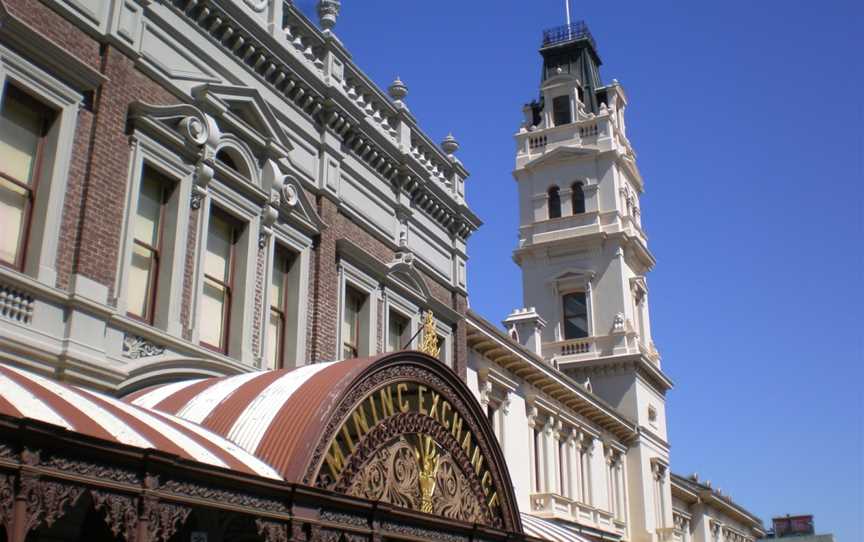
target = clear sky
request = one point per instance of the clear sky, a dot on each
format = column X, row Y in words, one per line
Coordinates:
column 747, row 120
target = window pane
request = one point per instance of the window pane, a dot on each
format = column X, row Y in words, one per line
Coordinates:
column 149, row 211
column 280, row 273
column 140, row 281
column 575, row 316
column 213, row 304
column 13, row 203
column 554, row 203
column 274, row 340
column 219, row 240
column 20, row 130
column 351, row 321
column 396, row 333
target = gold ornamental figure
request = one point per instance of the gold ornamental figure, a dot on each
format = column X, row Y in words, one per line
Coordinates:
column 427, row 459
column 429, row 344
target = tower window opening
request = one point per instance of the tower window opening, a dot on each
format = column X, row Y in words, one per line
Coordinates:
column 575, row 316
column 561, row 110
column 578, row 196
column 554, row 202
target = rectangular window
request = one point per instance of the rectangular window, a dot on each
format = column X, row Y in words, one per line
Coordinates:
column 147, row 245
column 442, row 349
column 351, row 321
column 282, row 260
column 397, row 332
column 575, row 316
column 561, row 110
column 218, row 280
column 24, row 123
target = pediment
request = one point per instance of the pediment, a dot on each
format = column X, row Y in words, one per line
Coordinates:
column 560, row 153
column 295, row 206
column 244, row 111
column 403, row 272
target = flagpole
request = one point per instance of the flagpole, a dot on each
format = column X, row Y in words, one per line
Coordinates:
column 567, row 11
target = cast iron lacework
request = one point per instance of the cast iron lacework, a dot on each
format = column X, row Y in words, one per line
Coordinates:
column 414, row 472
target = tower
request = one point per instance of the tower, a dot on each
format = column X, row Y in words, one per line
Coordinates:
column 584, row 256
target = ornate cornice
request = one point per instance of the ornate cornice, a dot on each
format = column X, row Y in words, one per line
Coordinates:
column 422, row 170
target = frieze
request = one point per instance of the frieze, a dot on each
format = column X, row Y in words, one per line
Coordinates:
column 344, row 518
column 420, row 532
column 229, row 497
column 121, row 513
column 47, row 501
column 135, row 347
column 85, row 468
column 386, row 467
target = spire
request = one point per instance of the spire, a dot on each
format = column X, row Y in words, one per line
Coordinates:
column 571, row 49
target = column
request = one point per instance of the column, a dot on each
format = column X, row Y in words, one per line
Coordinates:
column 572, row 466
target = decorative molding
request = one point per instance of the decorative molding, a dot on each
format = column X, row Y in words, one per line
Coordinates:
column 190, row 489
column 7, row 500
column 102, row 472
column 46, row 501
column 163, row 518
column 121, row 513
column 272, row 531
column 136, row 347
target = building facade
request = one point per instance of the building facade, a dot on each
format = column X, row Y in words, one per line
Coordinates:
column 575, row 387
column 213, row 227
column 199, row 189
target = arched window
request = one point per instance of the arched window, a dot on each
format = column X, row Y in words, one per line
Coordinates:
column 233, row 160
column 578, row 199
column 554, row 203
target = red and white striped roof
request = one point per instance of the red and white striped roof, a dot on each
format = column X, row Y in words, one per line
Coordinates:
column 551, row 530
column 27, row 395
column 275, row 415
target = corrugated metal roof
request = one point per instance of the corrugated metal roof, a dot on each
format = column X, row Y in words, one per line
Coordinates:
column 276, row 415
column 27, row 395
column 551, row 530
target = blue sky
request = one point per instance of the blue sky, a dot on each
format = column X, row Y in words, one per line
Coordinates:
column 747, row 120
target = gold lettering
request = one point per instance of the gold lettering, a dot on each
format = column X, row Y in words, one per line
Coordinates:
column 421, row 400
column 347, row 436
column 403, row 406
column 335, row 459
column 486, row 483
column 466, row 443
column 477, row 460
column 375, row 419
column 433, row 410
column 360, row 423
column 457, row 426
column 387, row 408
column 444, row 408
column 493, row 500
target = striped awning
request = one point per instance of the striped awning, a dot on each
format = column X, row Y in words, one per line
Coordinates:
column 275, row 415
column 551, row 530
column 27, row 395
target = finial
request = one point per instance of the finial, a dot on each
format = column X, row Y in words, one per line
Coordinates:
column 397, row 90
column 449, row 145
column 429, row 345
column 328, row 11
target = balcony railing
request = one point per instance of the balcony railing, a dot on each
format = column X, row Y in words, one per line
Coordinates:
column 565, row 33
column 575, row 346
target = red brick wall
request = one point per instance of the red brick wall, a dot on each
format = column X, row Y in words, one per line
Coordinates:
column 105, row 188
